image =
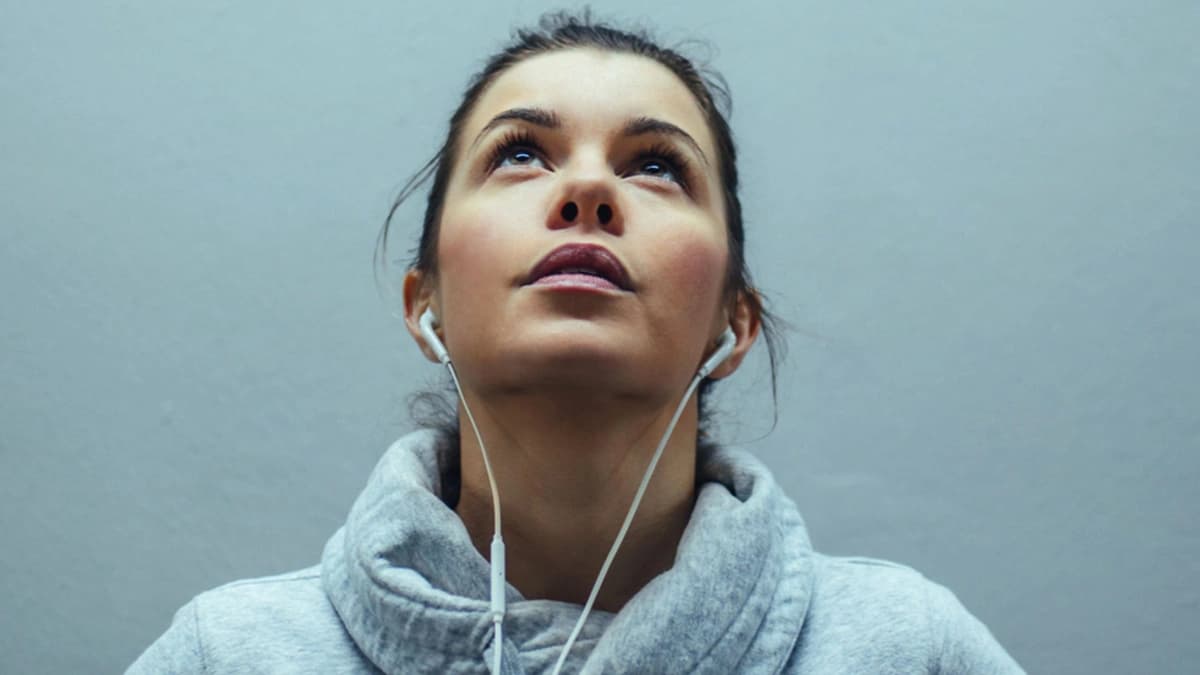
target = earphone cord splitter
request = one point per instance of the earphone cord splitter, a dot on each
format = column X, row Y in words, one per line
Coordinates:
column 497, row 561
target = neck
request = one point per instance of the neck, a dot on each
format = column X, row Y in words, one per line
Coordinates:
column 566, row 480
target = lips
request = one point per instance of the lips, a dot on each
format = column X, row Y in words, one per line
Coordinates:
column 582, row 259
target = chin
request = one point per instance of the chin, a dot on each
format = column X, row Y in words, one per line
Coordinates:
column 564, row 365
column 592, row 359
column 575, row 355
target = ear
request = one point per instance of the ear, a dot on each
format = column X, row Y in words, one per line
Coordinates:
column 419, row 296
column 746, row 321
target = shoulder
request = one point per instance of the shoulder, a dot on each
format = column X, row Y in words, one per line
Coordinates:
column 901, row 620
column 291, row 596
column 255, row 625
column 880, row 601
column 869, row 584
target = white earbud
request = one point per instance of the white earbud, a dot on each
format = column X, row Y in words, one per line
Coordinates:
column 724, row 349
column 435, row 343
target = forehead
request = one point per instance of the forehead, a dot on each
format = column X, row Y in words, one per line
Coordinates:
column 593, row 90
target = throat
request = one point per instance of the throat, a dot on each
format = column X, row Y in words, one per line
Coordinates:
column 566, row 483
column 556, row 555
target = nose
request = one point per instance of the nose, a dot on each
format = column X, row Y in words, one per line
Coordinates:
column 587, row 201
column 570, row 211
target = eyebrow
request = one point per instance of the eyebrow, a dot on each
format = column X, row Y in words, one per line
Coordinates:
column 651, row 125
column 549, row 119
column 535, row 116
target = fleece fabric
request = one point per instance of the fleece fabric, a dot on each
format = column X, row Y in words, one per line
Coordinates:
column 401, row 589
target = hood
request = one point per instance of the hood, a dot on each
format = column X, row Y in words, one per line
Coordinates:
column 412, row 590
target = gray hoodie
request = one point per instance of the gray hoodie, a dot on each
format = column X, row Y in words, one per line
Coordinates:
column 401, row 589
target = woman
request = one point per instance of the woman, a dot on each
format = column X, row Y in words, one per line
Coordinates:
column 581, row 272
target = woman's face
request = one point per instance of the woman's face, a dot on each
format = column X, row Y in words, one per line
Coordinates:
column 609, row 152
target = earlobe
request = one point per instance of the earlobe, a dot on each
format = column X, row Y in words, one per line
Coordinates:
column 744, row 323
column 419, row 301
column 427, row 324
column 725, row 345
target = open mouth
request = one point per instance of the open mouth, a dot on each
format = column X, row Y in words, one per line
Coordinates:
column 585, row 265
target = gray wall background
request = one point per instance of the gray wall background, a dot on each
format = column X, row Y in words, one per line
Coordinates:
column 981, row 216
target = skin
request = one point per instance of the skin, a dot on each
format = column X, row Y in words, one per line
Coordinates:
column 572, row 389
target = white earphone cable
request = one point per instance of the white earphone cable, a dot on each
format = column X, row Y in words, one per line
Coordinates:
column 724, row 348
column 637, row 499
column 487, row 465
column 497, row 554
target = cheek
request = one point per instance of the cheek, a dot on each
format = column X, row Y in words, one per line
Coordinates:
column 470, row 274
column 471, row 248
column 697, row 270
column 459, row 240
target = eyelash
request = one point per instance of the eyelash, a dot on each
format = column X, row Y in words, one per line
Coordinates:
column 512, row 139
column 661, row 152
column 668, row 155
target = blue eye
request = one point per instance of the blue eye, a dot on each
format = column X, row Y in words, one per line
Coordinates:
column 663, row 161
column 659, row 169
column 516, row 149
column 517, row 155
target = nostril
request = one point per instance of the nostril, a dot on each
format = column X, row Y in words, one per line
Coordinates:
column 569, row 211
column 604, row 213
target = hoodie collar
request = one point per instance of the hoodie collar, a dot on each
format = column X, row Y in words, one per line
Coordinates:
column 412, row 590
